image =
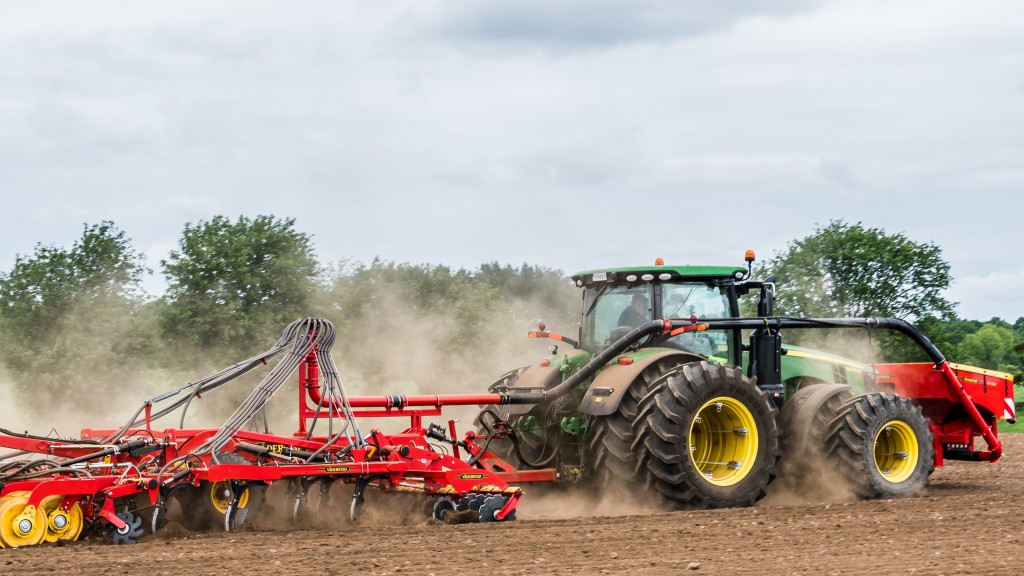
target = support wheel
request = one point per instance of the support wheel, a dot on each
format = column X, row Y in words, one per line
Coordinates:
column 20, row 524
column 61, row 524
column 207, row 506
column 707, row 437
column 883, row 445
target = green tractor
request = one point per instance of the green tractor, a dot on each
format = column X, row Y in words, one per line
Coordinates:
column 699, row 409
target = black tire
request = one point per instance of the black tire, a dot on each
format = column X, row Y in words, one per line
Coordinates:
column 707, row 437
column 614, row 461
column 883, row 445
column 806, row 417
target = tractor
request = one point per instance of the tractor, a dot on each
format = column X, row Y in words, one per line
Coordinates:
column 668, row 387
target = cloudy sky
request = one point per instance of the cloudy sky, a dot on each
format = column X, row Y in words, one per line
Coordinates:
column 571, row 134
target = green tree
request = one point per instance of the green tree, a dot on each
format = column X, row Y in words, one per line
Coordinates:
column 992, row 346
column 850, row 270
column 233, row 286
column 1018, row 327
column 68, row 315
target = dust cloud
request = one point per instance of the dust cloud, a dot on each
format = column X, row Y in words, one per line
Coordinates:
column 851, row 344
column 99, row 369
column 12, row 414
column 587, row 500
column 398, row 348
column 810, row 479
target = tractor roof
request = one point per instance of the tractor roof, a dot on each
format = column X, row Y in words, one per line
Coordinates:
column 659, row 272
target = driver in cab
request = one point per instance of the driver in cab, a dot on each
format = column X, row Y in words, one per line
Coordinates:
column 636, row 313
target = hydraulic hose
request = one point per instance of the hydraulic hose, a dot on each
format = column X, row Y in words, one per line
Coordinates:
column 592, row 367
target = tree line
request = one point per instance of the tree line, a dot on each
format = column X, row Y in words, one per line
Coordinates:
column 71, row 317
column 76, row 319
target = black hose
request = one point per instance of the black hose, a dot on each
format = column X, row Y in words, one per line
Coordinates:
column 126, row 447
column 665, row 325
column 31, row 465
column 779, row 322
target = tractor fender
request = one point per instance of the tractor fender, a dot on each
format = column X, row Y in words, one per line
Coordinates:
column 610, row 385
column 537, row 377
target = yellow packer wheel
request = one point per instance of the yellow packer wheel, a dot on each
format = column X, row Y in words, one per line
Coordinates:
column 61, row 525
column 220, row 497
column 206, row 506
column 20, row 524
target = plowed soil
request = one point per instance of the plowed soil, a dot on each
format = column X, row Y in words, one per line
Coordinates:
column 968, row 522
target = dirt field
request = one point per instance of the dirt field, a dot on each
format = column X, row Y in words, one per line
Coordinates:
column 968, row 522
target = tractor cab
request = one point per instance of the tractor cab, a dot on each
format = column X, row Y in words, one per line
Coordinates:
column 615, row 301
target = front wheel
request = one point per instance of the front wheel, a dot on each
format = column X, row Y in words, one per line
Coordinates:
column 883, row 445
column 707, row 437
column 613, row 460
column 530, row 441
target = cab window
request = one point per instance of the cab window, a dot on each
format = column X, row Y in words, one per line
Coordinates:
column 703, row 301
column 611, row 312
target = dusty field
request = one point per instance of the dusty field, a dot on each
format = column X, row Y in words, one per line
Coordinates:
column 969, row 522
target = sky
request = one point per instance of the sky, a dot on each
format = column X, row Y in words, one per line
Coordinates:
column 573, row 134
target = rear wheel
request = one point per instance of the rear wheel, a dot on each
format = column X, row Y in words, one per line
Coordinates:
column 883, row 445
column 806, row 417
column 707, row 437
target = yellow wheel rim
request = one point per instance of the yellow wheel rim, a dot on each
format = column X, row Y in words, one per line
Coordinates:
column 896, row 451
column 723, row 441
column 20, row 524
column 220, row 496
column 61, row 525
